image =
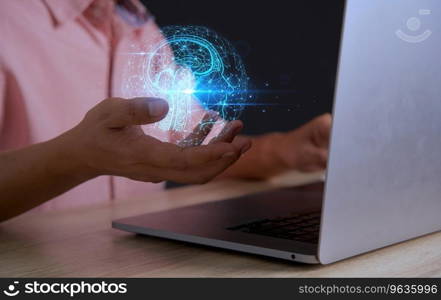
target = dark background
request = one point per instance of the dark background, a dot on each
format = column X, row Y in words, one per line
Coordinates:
column 291, row 46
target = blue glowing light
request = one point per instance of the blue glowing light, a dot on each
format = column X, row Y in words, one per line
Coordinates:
column 189, row 91
column 189, row 65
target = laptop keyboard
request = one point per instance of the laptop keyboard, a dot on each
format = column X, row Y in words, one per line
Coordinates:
column 298, row 227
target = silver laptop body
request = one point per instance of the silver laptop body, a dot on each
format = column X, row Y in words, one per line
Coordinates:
column 383, row 182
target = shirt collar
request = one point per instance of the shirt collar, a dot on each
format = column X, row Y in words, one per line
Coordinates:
column 67, row 10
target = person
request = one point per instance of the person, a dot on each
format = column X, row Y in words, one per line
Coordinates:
column 59, row 141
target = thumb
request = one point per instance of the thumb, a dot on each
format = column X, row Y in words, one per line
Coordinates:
column 137, row 111
column 322, row 132
column 317, row 131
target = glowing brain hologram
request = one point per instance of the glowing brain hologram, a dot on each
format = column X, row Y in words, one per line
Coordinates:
column 195, row 70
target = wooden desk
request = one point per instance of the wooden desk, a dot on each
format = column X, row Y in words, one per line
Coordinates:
column 80, row 242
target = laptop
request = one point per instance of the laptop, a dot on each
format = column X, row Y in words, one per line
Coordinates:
column 382, row 182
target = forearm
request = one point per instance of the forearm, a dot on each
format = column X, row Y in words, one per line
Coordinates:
column 261, row 161
column 35, row 174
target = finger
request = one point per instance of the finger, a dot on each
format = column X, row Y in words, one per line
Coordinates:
column 229, row 132
column 151, row 151
column 184, row 168
column 195, row 156
column 314, row 160
column 176, row 136
column 119, row 113
column 242, row 143
column 203, row 173
column 321, row 127
column 189, row 165
column 200, row 155
column 321, row 158
column 200, row 132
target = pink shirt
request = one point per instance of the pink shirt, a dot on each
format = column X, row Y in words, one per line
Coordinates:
column 57, row 60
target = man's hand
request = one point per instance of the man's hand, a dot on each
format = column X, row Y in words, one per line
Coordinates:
column 110, row 141
column 306, row 148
